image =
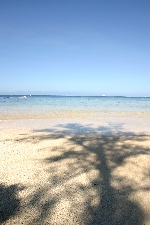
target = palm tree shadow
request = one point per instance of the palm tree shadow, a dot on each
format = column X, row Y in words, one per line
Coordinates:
column 114, row 206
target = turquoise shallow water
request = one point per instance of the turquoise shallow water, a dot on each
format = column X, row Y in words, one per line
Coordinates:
column 22, row 107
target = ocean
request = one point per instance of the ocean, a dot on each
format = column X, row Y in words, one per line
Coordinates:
column 48, row 106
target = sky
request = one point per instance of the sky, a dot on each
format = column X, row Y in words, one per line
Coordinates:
column 75, row 47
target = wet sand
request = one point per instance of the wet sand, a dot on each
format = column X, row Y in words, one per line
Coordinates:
column 75, row 171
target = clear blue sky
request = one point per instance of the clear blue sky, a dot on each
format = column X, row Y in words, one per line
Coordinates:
column 75, row 46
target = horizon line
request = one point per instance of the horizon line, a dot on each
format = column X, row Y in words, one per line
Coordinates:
column 59, row 95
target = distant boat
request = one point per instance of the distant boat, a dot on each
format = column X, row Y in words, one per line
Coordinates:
column 23, row 96
column 103, row 95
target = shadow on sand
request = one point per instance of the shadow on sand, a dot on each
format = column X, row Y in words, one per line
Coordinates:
column 9, row 202
column 88, row 176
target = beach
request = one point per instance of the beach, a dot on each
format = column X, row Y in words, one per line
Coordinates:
column 74, row 112
column 75, row 171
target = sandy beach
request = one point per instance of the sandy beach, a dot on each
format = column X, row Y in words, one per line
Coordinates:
column 72, row 171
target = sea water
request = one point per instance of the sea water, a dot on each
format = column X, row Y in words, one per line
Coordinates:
column 47, row 106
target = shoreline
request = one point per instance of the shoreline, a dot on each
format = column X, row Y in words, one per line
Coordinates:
column 66, row 114
column 102, row 126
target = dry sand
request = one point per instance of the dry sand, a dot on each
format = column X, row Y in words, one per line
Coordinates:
column 75, row 172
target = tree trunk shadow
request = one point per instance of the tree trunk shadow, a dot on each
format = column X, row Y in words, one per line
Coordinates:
column 115, row 209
